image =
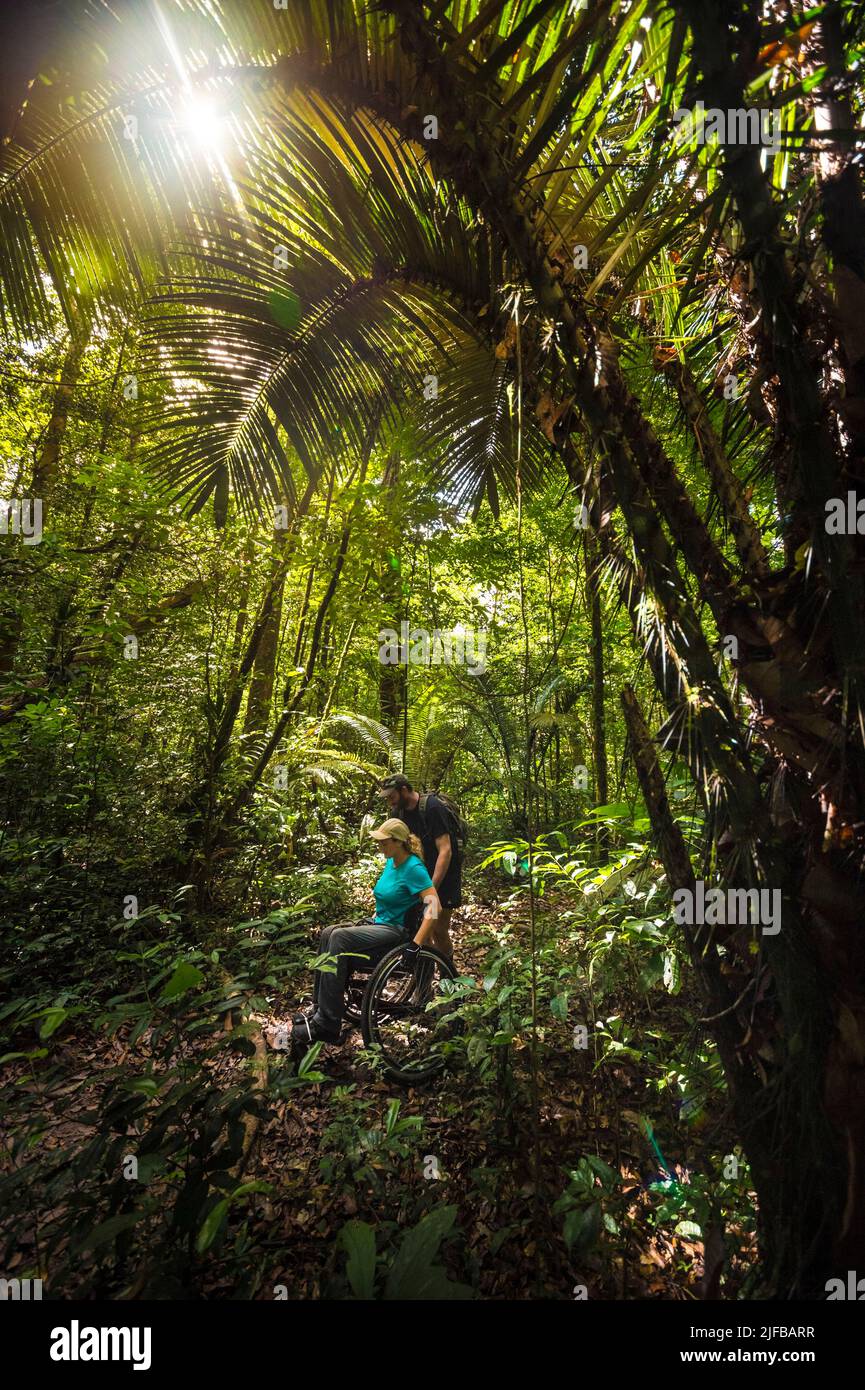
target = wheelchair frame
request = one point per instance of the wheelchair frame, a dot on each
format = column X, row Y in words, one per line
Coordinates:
column 370, row 1006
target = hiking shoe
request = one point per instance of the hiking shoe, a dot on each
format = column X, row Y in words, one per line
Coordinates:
column 308, row 1031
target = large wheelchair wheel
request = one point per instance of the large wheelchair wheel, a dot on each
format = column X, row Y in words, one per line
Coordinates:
column 409, row 1012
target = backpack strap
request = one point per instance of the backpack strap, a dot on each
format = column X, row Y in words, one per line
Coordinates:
column 450, row 820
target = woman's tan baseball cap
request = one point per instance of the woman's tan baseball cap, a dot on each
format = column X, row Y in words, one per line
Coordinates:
column 392, row 829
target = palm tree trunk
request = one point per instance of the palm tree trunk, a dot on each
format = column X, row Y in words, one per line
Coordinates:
column 727, row 486
column 843, row 210
column 797, row 1230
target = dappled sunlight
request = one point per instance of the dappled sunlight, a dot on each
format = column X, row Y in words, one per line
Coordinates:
column 432, row 636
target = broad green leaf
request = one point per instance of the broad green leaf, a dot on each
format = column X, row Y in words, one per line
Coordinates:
column 52, row 1021
column 559, row 1007
column 690, row 1229
column 358, row 1240
column 186, row 976
column 109, row 1230
column 583, row 1227
column 212, row 1225
column 412, row 1275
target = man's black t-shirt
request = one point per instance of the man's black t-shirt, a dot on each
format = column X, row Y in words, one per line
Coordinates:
column 428, row 829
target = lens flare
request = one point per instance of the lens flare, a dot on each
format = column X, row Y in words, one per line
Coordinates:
column 199, row 119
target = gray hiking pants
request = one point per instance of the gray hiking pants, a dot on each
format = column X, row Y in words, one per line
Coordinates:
column 365, row 942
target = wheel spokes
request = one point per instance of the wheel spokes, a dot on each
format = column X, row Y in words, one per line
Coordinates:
column 409, row 1032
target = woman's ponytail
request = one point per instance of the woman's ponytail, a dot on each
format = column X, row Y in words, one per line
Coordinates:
column 415, row 845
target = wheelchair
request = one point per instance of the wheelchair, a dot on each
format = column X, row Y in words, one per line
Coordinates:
column 407, row 1012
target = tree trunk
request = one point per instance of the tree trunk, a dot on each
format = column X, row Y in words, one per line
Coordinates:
column 391, row 679
column 264, row 668
column 795, row 1230
column 48, row 458
column 599, row 723
column 41, row 487
column 199, row 804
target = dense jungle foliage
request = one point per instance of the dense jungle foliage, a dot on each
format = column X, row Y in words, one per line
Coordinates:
column 333, row 330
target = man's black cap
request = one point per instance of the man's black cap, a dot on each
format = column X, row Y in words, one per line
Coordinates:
column 394, row 783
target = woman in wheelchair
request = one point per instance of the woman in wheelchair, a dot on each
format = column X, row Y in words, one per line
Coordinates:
column 404, row 882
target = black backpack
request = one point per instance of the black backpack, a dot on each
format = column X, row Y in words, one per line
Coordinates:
column 459, row 830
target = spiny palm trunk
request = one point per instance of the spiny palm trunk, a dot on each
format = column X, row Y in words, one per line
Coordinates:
column 819, row 459
column 702, row 950
column 843, row 218
column 800, row 1139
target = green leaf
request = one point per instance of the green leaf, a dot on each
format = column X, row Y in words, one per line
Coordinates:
column 559, row 1007
column 690, row 1229
column 212, row 1225
column 652, row 971
column 143, row 1085
column 309, row 1060
column 672, row 974
column 256, row 1186
column 186, row 976
column 616, row 810
column 109, row 1230
column 413, row 1275
column 582, row 1228
column 52, row 1021
column 358, row 1240
column 609, row 1177
column 148, row 1166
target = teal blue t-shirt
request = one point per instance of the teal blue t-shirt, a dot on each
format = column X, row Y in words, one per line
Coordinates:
column 398, row 888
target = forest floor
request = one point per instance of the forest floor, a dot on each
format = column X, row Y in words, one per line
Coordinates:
column 503, row 1150
column 524, row 1151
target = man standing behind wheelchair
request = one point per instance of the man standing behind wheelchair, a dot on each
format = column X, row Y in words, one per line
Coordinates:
column 429, row 819
column 403, row 884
